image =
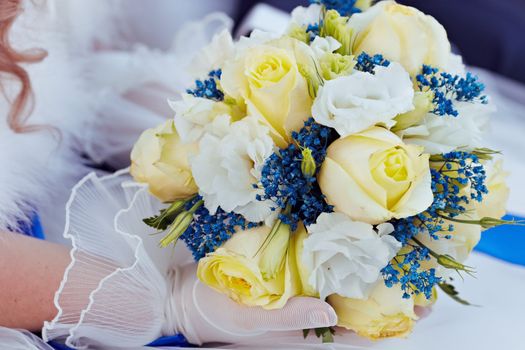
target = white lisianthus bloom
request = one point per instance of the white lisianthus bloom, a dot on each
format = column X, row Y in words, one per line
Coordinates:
column 194, row 114
column 354, row 103
column 322, row 46
column 345, row 257
column 213, row 55
column 443, row 134
column 304, row 16
column 229, row 163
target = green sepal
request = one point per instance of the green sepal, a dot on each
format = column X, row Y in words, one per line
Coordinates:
column 179, row 225
column 325, row 333
column 166, row 216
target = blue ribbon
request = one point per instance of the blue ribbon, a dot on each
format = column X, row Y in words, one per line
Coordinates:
column 505, row 242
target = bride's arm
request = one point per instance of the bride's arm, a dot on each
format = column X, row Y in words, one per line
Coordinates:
column 30, row 273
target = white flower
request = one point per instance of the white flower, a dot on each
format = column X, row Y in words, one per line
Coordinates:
column 213, row 55
column 304, row 16
column 354, row 103
column 443, row 134
column 345, row 257
column 194, row 114
column 229, row 163
column 322, row 46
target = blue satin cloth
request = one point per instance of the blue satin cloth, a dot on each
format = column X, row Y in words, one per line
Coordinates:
column 33, row 230
column 505, row 242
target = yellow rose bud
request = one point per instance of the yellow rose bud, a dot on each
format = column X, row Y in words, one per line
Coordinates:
column 385, row 314
column 373, row 177
column 401, row 34
column 160, row 160
column 234, row 269
column 267, row 77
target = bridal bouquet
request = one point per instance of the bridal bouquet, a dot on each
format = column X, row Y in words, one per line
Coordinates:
column 341, row 160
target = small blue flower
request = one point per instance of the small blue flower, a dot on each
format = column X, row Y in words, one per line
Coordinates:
column 367, row 63
column 284, row 182
column 344, row 7
column 208, row 232
column 208, row 88
column 448, row 88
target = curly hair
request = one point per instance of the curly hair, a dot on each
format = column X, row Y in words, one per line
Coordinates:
column 21, row 105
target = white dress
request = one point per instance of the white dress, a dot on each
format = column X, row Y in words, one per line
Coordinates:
column 110, row 67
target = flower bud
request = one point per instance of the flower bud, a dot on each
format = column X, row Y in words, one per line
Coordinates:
column 451, row 263
column 334, row 25
column 274, row 249
column 308, row 166
column 180, row 224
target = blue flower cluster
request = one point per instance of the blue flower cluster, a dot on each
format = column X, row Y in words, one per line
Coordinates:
column 367, row 63
column 287, row 186
column 208, row 232
column 313, row 30
column 447, row 88
column 344, row 7
column 405, row 269
column 208, row 88
column 452, row 174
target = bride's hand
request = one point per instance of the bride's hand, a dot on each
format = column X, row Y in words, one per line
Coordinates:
column 204, row 315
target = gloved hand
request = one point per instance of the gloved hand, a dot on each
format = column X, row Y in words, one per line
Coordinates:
column 204, row 315
column 123, row 291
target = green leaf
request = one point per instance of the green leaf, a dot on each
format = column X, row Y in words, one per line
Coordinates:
column 325, row 333
column 305, row 333
column 451, row 291
column 166, row 216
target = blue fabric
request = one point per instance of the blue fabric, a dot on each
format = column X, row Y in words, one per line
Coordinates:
column 505, row 242
column 175, row 340
column 35, row 229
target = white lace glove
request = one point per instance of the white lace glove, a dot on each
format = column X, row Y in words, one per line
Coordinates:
column 123, row 291
column 204, row 315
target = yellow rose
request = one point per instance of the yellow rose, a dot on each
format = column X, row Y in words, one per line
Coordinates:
column 401, row 34
column 267, row 77
column 234, row 269
column 373, row 177
column 494, row 203
column 160, row 160
column 384, row 314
